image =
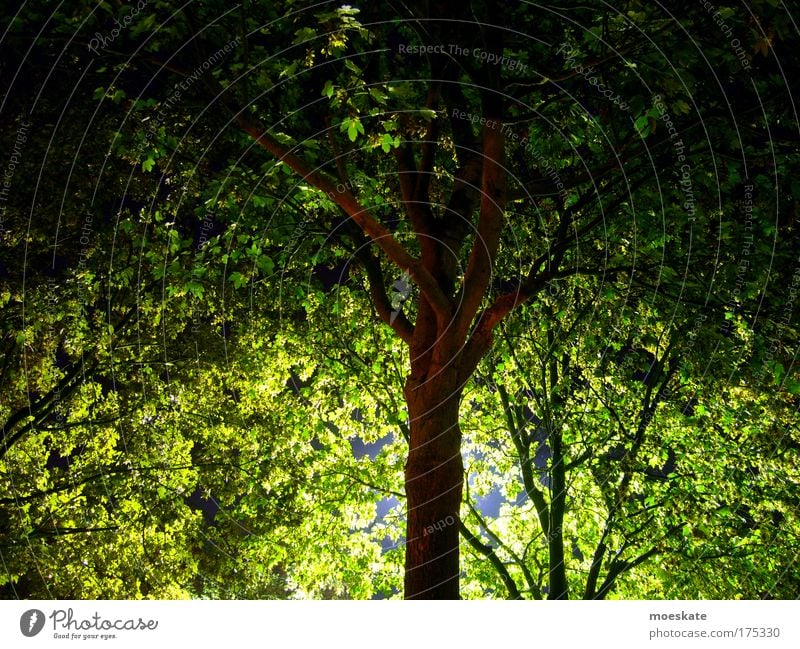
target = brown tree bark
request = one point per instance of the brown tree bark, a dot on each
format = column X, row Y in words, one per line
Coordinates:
column 434, row 478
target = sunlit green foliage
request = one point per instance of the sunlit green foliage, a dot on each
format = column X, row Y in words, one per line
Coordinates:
column 192, row 366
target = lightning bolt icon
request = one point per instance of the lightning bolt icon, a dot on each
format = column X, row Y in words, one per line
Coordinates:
column 32, row 621
column 400, row 292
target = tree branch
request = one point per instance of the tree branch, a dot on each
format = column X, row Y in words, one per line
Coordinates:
column 489, row 553
column 490, row 224
column 394, row 319
column 536, row 496
column 375, row 230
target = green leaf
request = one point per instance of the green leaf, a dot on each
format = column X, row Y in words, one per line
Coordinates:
column 195, row 288
column 265, row 264
column 237, row 279
column 378, row 95
column 428, row 114
column 350, row 65
column 304, row 34
column 680, row 107
column 778, row 372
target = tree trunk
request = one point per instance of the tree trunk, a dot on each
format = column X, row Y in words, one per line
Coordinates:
column 434, row 478
column 558, row 569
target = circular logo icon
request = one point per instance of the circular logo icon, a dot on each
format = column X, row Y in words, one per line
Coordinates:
column 31, row 622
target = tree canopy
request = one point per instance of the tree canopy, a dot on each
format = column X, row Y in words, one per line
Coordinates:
column 399, row 299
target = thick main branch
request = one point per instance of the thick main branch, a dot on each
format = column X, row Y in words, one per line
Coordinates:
column 375, row 230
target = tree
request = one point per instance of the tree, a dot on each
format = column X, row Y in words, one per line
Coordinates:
column 520, row 177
